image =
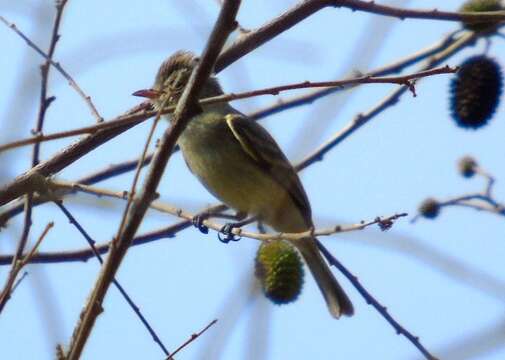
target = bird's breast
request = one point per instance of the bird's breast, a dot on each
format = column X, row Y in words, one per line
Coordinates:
column 215, row 156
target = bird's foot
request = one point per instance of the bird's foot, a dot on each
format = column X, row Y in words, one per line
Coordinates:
column 225, row 235
column 198, row 223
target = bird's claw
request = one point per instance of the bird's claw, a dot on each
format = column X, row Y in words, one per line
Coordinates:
column 226, row 230
column 198, row 223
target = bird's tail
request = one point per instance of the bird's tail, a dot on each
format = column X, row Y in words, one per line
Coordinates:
column 336, row 299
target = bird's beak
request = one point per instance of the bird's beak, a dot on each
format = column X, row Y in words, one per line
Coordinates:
column 148, row 93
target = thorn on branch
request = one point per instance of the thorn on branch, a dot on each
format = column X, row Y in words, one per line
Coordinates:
column 411, row 87
column 385, row 224
column 60, row 352
column 49, row 101
column 191, row 339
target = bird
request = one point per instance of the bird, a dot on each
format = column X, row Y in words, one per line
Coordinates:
column 241, row 164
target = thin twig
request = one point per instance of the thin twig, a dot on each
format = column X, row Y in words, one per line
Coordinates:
column 384, row 224
column 395, row 67
column 191, row 339
column 366, row 79
column 18, row 255
column 39, row 138
column 45, row 101
column 435, row 14
column 17, row 264
column 57, row 66
column 480, row 201
column 132, row 193
column 20, row 280
column 400, row 330
column 118, row 122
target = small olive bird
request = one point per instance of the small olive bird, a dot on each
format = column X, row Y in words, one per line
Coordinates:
column 238, row 161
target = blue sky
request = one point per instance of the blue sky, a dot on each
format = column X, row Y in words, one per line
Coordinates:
column 443, row 280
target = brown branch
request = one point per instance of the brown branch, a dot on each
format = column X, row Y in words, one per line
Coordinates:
column 24, row 183
column 132, row 119
column 402, row 14
column 45, row 101
column 366, row 79
column 56, row 65
column 254, row 39
column 186, row 107
column 384, row 224
column 395, row 67
column 170, row 231
column 85, row 254
column 18, row 282
column 480, row 201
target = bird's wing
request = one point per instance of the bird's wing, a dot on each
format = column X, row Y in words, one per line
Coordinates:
column 265, row 152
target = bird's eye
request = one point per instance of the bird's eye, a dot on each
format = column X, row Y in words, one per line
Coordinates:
column 179, row 80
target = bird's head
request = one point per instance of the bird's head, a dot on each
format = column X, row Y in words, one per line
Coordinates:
column 172, row 77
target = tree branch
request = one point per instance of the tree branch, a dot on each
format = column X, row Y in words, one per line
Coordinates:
column 387, row 102
column 116, row 283
column 186, row 107
column 254, row 39
column 17, row 264
column 56, row 65
column 85, row 254
column 400, row 330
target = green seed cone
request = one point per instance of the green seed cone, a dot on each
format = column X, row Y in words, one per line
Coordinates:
column 475, row 92
column 280, row 270
column 481, row 6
